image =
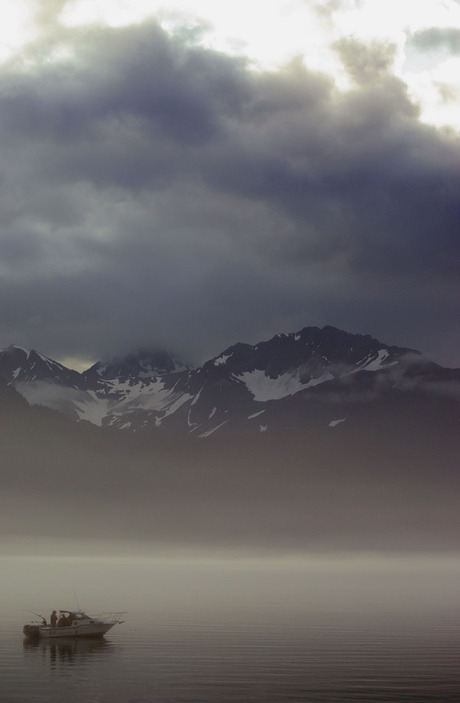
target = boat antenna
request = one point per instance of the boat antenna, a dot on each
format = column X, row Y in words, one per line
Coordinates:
column 76, row 600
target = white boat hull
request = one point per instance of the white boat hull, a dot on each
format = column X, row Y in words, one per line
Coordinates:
column 87, row 630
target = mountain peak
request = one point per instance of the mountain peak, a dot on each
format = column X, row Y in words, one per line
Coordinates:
column 21, row 365
column 142, row 364
column 14, row 349
column 310, row 349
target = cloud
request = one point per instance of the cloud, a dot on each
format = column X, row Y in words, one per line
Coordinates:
column 50, row 395
column 328, row 8
column 366, row 64
column 46, row 12
column 435, row 38
column 158, row 192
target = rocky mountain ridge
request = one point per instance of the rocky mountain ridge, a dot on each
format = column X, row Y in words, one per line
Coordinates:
column 324, row 376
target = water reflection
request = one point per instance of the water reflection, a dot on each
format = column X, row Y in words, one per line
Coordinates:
column 68, row 651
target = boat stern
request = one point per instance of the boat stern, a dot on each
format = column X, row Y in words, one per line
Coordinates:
column 31, row 631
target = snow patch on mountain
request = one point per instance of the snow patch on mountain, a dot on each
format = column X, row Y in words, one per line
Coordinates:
column 264, row 388
column 153, row 396
column 222, row 359
column 377, row 363
column 197, row 397
column 119, row 399
column 334, row 423
column 319, row 379
column 208, row 433
column 94, row 410
column 250, row 417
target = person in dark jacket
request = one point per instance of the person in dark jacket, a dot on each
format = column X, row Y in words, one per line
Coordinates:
column 53, row 619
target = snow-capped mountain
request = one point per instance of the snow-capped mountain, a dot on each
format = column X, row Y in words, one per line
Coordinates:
column 140, row 365
column 324, row 376
column 18, row 365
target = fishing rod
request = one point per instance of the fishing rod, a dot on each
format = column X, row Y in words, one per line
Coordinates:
column 34, row 613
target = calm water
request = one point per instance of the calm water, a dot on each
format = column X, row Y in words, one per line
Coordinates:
column 273, row 648
column 243, row 658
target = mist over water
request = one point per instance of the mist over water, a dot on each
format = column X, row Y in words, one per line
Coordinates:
column 283, row 569
column 217, row 628
column 152, row 583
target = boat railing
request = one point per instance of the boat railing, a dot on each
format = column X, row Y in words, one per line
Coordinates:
column 113, row 616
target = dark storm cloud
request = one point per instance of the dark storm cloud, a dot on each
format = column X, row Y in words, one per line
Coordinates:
column 153, row 191
column 170, row 90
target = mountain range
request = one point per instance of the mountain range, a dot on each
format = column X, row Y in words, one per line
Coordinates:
column 315, row 440
column 323, row 378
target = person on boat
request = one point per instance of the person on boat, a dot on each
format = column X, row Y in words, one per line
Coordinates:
column 62, row 622
column 53, row 619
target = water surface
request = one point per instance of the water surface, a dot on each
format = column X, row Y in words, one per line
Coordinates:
column 226, row 634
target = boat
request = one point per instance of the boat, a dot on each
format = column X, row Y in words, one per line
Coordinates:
column 74, row 623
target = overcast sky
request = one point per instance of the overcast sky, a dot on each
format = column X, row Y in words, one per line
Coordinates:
column 193, row 174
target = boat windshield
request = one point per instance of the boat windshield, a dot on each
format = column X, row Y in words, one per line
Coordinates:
column 75, row 615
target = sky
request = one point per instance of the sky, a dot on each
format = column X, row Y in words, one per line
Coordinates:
column 188, row 175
